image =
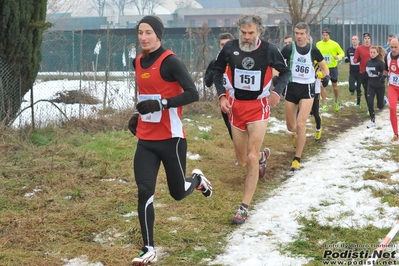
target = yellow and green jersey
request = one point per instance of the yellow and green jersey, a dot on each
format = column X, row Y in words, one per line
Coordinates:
column 329, row 49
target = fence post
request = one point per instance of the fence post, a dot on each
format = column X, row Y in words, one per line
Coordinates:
column 31, row 104
column 73, row 53
column 106, row 70
column 80, row 71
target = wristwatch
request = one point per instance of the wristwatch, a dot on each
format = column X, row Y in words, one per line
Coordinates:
column 164, row 103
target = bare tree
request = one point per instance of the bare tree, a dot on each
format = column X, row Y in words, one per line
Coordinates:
column 184, row 3
column 99, row 6
column 121, row 5
column 57, row 6
column 60, row 7
column 198, row 43
column 309, row 11
column 151, row 5
column 146, row 7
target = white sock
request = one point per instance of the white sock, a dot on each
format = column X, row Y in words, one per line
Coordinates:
column 262, row 158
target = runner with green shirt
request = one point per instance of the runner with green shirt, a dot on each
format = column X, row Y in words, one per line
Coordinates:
column 332, row 52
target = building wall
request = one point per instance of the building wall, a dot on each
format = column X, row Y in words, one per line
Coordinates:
column 211, row 20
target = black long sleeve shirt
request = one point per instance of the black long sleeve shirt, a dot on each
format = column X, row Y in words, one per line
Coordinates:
column 209, row 74
column 272, row 59
column 374, row 69
column 173, row 69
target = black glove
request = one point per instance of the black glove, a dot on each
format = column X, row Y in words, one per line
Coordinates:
column 325, row 80
column 347, row 60
column 275, row 80
column 383, row 78
column 148, row 106
column 209, row 79
column 133, row 123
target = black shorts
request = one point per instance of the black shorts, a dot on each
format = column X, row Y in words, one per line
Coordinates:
column 334, row 74
column 296, row 92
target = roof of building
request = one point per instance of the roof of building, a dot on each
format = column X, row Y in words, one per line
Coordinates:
column 219, row 3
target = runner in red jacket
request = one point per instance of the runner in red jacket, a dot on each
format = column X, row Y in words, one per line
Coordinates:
column 164, row 86
column 392, row 71
column 362, row 55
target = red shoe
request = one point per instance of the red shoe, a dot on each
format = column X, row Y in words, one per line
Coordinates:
column 240, row 216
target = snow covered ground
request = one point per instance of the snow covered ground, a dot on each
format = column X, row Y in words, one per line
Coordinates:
column 329, row 188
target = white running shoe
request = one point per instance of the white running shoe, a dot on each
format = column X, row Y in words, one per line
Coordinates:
column 146, row 257
column 386, row 102
column 205, row 186
column 372, row 125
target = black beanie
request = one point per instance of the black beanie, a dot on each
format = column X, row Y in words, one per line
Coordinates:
column 366, row 34
column 155, row 23
column 326, row 30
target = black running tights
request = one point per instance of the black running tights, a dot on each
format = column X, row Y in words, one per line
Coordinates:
column 372, row 92
column 147, row 160
column 315, row 110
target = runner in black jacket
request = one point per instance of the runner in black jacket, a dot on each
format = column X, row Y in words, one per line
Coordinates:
column 376, row 81
column 355, row 79
column 223, row 38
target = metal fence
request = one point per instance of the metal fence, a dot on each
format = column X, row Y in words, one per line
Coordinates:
column 342, row 33
column 10, row 90
column 90, row 73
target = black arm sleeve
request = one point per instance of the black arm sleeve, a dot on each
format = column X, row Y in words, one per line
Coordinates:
column 173, row 69
column 316, row 54
column 276, row 60
column 134, row 67
column 381, row 68
column 386, row 62
column 347, row 59
column 134, row 63
column 209, row 74
column 219, row 68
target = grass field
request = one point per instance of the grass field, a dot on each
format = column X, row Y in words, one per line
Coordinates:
column 70, row 192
